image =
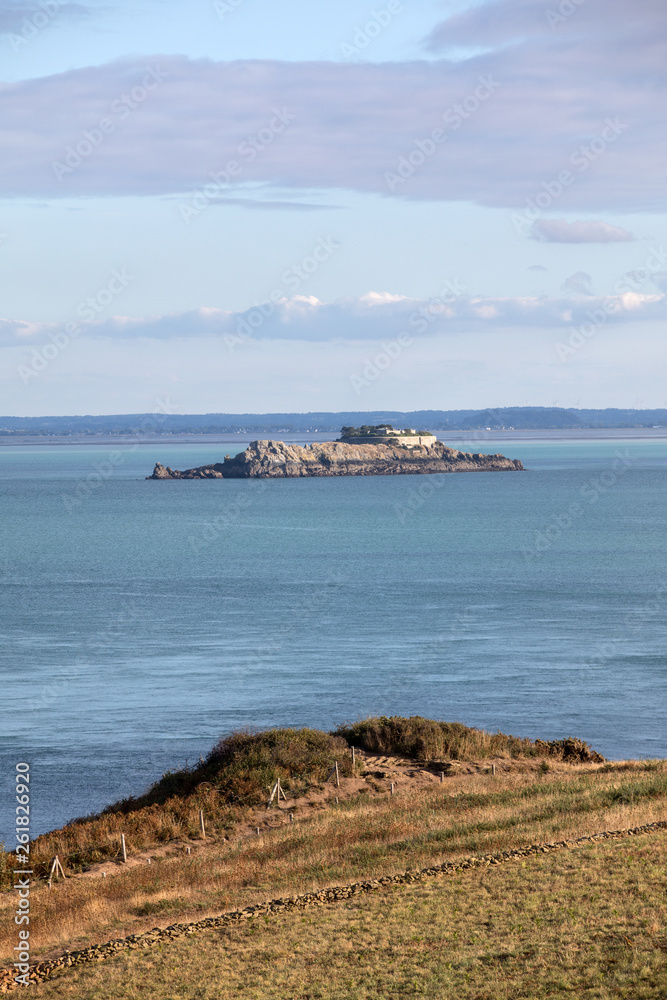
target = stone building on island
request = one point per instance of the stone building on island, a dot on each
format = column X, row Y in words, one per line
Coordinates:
column 386, row 434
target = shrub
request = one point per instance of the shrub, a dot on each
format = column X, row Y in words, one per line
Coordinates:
column 571, row 750
column 245, row 764
column 425, row 739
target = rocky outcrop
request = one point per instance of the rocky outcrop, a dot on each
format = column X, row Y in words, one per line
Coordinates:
column 276, row 460
column 203, row 472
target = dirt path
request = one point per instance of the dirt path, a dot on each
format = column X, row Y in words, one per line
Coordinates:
column 376, row 775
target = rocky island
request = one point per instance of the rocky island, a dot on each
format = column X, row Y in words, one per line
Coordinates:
column 385, row 453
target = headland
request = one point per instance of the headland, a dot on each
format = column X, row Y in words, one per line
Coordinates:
column 288, row 848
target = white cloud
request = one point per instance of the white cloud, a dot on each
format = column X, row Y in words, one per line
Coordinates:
column 550, row 96
column 578, row 283
column 25, row 18
column 374, row 316
column 590, row 231
column 497, row 24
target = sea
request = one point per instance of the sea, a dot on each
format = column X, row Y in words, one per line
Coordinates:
column 144, row 620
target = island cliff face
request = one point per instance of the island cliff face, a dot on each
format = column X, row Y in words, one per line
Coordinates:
column 276, row 460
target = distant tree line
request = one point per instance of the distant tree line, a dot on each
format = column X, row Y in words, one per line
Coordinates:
column 366, row 430
column 522, row 417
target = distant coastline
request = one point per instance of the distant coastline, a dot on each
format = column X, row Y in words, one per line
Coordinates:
column 263, row 425
column 482, row 440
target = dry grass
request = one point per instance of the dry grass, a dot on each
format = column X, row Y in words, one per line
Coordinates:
column 237, row 774
column 365, row 835
column 428, row 740
column 586, row 923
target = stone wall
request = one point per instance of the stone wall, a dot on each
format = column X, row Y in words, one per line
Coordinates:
column 334, row 894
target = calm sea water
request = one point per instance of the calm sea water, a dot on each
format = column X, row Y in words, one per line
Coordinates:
column 143, row 620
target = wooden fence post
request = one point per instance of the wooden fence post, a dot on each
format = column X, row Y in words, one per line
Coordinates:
column 354, row 762
column 337, row 776
column 392, row 788
column 493, row 769
column 442, row 777
column 276, row 792
column 123, row 848
column 56, row 868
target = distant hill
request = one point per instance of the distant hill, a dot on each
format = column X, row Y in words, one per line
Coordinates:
column 554, row 417
column 518, row 418
column 524, row 417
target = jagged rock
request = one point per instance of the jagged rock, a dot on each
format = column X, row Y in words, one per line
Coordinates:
column 275, row 460
column 160, row 472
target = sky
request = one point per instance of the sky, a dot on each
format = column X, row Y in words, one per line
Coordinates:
column 245, row 206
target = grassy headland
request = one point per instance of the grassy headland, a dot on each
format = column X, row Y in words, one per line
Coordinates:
column 537, row 794
column 240, row 770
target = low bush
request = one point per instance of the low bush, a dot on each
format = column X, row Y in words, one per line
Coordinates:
column 572, row 750
column 425, row 740
column 244, row 764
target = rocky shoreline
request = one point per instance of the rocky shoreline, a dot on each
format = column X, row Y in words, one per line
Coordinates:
column 277, row 460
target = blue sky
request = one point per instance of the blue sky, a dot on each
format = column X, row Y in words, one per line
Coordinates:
column 243, row 205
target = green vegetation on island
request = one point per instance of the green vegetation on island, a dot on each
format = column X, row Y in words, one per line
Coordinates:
column 380, row 431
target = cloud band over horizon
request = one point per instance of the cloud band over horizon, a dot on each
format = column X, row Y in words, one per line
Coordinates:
column 369, row 317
